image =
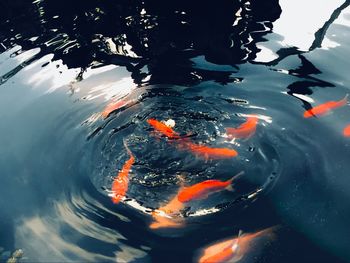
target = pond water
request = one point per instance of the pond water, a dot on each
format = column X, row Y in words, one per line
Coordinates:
column 79, row 81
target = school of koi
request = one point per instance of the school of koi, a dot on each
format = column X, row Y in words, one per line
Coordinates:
column 232, row 249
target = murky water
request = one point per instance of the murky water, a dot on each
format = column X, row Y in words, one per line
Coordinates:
column 206, row 66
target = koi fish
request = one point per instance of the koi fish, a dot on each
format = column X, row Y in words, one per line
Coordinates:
column 346, row 131
column 163, row 128
column 121, row 182
column 163, row 221
column 245, row 130
column 325, row 107
column 186, row 144
column 203, row 189
column 113, row 107
column 231, row 250
column 210, row 152
column 162, row 216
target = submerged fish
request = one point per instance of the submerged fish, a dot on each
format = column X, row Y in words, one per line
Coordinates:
column 245, row 130
column 325, row 107
column 163, row 128
column 346, row 131
column 163, row 215
column 164, row 221
column 121, row 182
column 113, row 107
column 203, row 189
column 231, row 250
column 209, row 152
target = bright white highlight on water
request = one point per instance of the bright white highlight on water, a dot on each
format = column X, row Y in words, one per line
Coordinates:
column 306, row 20
column 299, row 22
column 302, row 97
column 265, row 54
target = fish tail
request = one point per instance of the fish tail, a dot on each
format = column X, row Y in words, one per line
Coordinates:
column 236, row 176
column 229, row 186
column 127, row 148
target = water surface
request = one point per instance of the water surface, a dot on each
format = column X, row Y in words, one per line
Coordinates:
column 207, row 66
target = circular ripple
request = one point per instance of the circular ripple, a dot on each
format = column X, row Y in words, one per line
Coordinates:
column 154, row 178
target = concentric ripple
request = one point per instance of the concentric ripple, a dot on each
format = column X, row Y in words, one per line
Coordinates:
column 160, row 162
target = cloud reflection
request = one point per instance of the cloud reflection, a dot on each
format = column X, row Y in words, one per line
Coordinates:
column 52, row 238
column 42, row 238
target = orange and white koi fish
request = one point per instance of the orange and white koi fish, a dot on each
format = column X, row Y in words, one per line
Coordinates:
column 232, row 250
column 325, row 107
column 245, row 130
column 186, row 144
column 346, row 131
column 163, row 215
column 121, row 182
column 204, row 189
column 113, row 107
column 163, row 128
column 208, row 152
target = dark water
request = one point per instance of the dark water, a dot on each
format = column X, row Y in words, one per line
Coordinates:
column 205, row 65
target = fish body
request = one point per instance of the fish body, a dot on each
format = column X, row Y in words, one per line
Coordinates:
column 162, row 216
column 231, row 250
column 161, row 221
column 324, row 108
column 245, row 130
column 113, row 107
column 222, row 256
column 163, row 128
column 209, row 152
column 203, row 189
column 121, row 182
column 346, row 131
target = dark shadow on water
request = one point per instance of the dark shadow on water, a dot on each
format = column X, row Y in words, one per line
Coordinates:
column 149, row 39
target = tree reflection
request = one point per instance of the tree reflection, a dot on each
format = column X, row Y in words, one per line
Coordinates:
column 154, row 40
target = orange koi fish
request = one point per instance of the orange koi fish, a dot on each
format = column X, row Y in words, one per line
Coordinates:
column 231, row 250
column 204, row 189
column 325, row 107
column 162, row 216
column 209, row 152
column 346, row 131
column 163, row 128
column 245, row 130
column 113, row 107
column 121, row 182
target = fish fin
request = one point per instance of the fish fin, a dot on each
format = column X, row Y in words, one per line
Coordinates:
column 205, row 196
column 239, row 237
column 230, row 188
column 345, row 99
column 235, row 245
column 181, row 178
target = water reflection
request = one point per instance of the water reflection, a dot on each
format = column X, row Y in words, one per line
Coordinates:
column 304, row 34
column 144, row 37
